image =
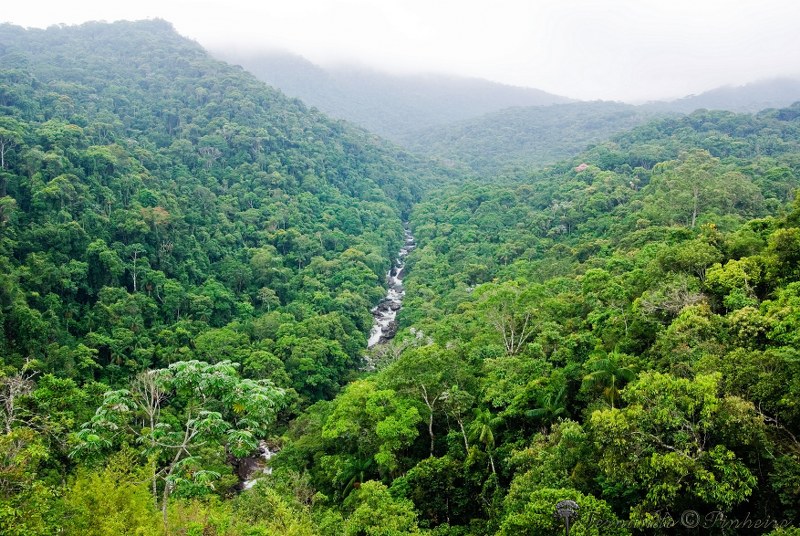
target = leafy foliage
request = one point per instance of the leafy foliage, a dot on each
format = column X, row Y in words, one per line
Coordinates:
column 188, row 261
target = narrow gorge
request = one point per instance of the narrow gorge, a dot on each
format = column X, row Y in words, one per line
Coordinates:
column 385, row 313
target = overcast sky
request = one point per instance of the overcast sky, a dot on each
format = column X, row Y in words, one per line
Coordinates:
column 590, row 49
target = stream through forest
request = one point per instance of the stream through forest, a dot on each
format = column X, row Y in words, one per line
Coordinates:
column 385, row 313
column 253, row 467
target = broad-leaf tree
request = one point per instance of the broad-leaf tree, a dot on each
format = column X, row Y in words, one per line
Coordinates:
column 171, row 413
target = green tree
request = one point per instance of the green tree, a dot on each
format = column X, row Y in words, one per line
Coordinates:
column 369, row 423
column 481, row 431
column 609, row 374
column 432, row 375
column 174, row 412
column 510, row 308
column 670, row 444
column 696, row 184
column 438, row 489
column 112, row 500
column 11, row 133
column 374, row 512
column 532, row 512
column 551, row 403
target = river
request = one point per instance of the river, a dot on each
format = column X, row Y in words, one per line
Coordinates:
column 385, row 313
column 251, row 468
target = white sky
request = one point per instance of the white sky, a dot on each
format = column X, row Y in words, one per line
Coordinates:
column 591, row 49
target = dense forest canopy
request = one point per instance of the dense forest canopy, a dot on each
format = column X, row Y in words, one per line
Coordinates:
column 614, row 330
column 160, row 207
column 188, row 260
column 397, row 107
column 151, row 192
column 521, row 138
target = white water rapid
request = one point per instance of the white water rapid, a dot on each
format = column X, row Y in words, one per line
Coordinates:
column 385, row 313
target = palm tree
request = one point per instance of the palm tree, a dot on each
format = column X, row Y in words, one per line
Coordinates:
column 551, row 406
column 358, row 472
column 481, row 430
column 609, row 375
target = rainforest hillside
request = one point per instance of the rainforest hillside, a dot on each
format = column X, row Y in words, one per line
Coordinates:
column 489, row 127
column 158, row 206
column 521, row 138
column 188, row 259
column 770, row 93
column 152, row 194
column 396, row 107
column 619, row 329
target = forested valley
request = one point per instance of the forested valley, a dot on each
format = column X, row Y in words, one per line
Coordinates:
column 188, row 263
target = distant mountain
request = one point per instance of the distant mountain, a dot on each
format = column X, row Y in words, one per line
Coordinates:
column 486, row 126
column 393, row 106
column 540, row 135
column 775, row 93
column 530, row 136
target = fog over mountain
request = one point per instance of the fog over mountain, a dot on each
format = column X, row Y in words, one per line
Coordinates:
column 223, row 311
column 482, row 124
column 629, row 50
column 394, row 106
column 752, row 97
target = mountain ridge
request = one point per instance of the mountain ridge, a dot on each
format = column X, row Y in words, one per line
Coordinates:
column 393, row 106
column 778, row 92
column 481, row 125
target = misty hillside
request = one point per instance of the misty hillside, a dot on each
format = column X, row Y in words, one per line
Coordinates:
column 521, row 137
column 775, row 93
column 159, row 193
column 486, row 126
column 540, row 135
column 528, row 137
column 223, row 312
column 393, row 106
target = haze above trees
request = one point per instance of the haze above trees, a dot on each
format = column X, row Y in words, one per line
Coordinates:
column 489, row 126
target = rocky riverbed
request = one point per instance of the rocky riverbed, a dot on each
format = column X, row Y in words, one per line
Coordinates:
column 385, row 313
column 251, row 468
